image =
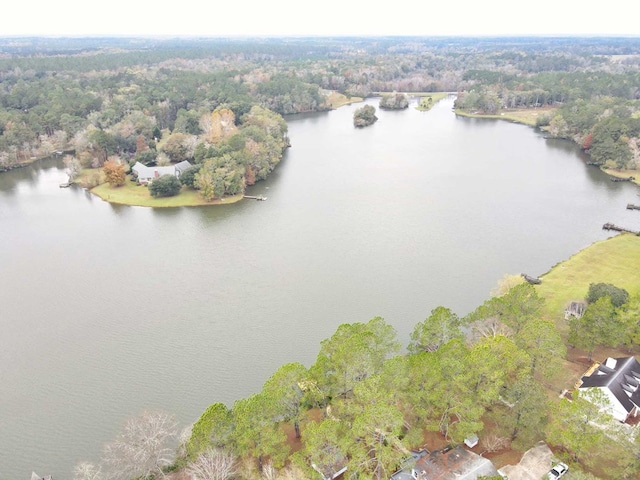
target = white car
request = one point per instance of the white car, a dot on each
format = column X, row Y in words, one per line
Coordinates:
column 557, row 471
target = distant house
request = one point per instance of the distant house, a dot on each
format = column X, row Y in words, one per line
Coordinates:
column 149, row 174
column 575, row 309
column 449, row 464
column 618, row 379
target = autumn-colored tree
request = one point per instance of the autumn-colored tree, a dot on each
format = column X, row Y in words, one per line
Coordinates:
column 249, row 176
column 220, row 124
column 114, row 173
column 588, row 140
column 141, row 145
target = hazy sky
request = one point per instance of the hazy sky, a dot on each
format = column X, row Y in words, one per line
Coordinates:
column 328, row 17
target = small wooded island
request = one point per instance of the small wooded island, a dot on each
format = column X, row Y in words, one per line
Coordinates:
column 395, row 101
column 365, row 116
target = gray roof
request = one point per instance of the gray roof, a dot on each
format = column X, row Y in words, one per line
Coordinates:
column 182, row 166
column 407, row 465
column 622, row 380
column 150, row 172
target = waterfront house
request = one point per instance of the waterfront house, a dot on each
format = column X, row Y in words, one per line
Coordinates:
column 618, row 379
column 147, row 175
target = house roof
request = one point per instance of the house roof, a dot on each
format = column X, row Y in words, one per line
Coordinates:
column 182, row 166
column 407, row 465
column 150, row 172
column 454, row 464
column 621, row 376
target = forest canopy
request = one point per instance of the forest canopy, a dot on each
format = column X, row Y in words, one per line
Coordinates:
column 55, row 91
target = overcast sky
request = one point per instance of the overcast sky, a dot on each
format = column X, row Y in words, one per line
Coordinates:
column 326, row 17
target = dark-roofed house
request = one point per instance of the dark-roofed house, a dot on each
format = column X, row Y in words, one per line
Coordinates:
column 149, row 174
column 450, row 464
column 618, row 379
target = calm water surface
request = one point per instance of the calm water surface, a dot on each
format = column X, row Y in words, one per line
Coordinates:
column 107, row 310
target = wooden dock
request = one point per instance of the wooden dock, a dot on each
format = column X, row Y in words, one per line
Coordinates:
column 631, row 206
column 620, row 179
column 616, row 228
column 254, row 197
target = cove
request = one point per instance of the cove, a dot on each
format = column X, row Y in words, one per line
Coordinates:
column 108, row 310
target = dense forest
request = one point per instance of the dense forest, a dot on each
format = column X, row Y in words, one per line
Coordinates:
column 364, row 403
column 101, row 97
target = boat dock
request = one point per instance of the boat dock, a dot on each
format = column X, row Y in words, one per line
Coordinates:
column 611, row 226
column 620, row 179
column 253, row 197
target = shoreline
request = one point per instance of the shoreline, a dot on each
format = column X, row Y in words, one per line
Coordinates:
column 529, row 120
column 186, row 198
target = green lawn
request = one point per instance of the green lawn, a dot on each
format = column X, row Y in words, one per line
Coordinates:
column 614, row 261
column 435, row 98
column 133, row 194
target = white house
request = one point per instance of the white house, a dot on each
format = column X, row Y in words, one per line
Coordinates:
column 149, row 174
column 618, row 379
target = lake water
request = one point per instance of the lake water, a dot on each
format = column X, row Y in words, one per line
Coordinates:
column 109, row 310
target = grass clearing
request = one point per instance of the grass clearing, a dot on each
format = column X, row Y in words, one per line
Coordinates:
column 133, row 194
column 527, row 116
column 614, row 261
column 336, row 100
column 424, row 106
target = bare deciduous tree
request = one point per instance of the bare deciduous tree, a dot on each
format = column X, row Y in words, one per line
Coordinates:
column 87, row 471
column 493, row 442
column 212, row 464
column 72, row 167
column 143, row 448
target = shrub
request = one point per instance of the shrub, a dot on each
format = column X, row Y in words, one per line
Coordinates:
column 188, row 177
column 618, row 296
column 165, row 186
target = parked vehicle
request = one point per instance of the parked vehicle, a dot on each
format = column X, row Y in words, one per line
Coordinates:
column 557, row 471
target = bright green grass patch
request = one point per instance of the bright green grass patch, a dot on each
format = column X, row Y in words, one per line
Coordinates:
column 424, row 104
column 614, row 261
column 133, row 194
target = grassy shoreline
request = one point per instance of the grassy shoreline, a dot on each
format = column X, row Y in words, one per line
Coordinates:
column 623, row 174
column 138, row 195
column 526, row 116
column 529, row 116
column 613, row 260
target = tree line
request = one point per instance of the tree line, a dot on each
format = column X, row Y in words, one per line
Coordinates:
column 50, row 90
column 364, row 405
